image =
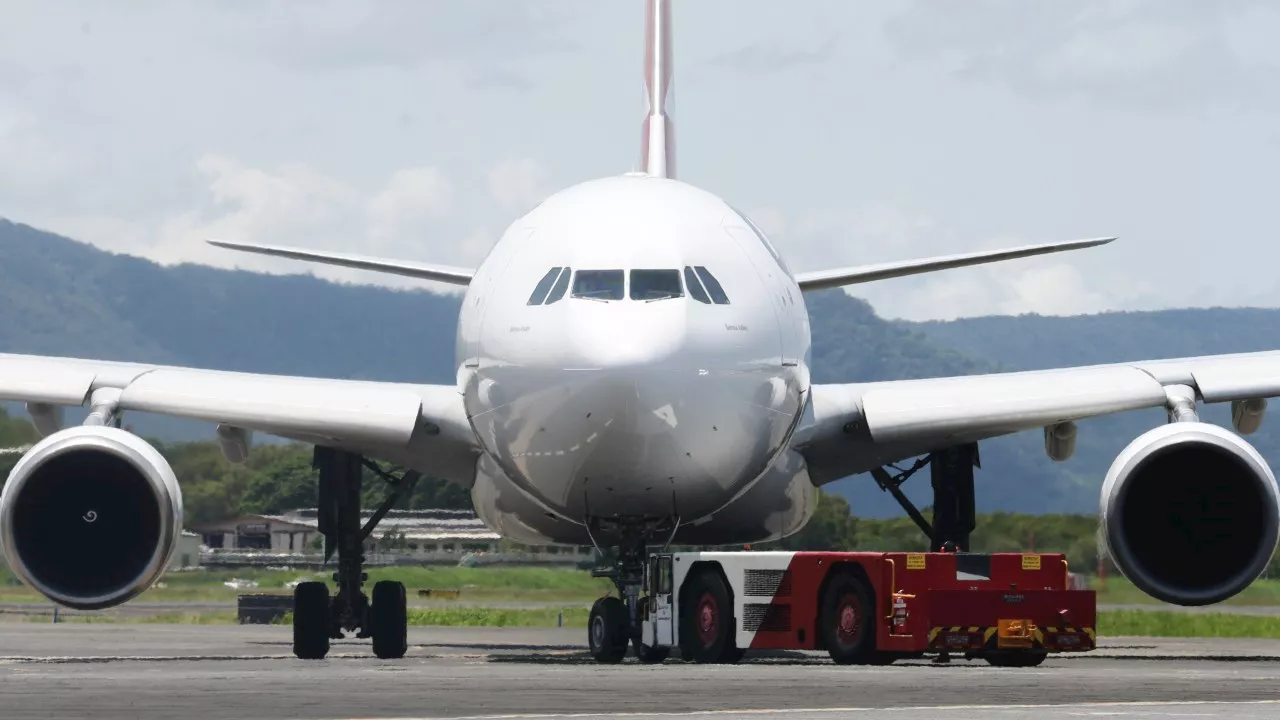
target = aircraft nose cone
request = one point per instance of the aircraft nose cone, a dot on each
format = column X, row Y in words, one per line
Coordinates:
column 630, row 334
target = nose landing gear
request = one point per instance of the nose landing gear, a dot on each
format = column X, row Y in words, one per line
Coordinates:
column 644, row 588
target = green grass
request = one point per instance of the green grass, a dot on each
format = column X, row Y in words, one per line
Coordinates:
column 508, row 584
column 1115, row 590
column 575, row 617
column 1149, row 623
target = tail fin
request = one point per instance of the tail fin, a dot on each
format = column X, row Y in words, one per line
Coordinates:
column 658, row 138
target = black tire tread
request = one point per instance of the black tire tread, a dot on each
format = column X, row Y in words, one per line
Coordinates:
column 725, row 649
column 311, row 621
column 389, row 617
column 864, row 652
column 615, row 644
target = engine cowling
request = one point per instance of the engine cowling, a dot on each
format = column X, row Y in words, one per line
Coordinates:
column 1190, row 513
column 90, row 516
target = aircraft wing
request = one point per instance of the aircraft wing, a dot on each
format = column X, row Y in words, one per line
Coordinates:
column 419, row 426
column 823, row 279
column 422, row 271
column 852, row 428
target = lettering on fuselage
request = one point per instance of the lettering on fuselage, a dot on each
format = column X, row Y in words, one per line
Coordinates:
column 735, row 328
column 519, row 328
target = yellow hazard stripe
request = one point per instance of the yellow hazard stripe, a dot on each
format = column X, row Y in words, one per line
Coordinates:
column 986, row 636
column 1090, row 633
column 933, row 634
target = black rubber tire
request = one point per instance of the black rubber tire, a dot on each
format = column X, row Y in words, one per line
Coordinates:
column 848, row 621
column 311, row 621
column 649, row 655
column 390, row 621
column 607, row 630
column 707, row 625
column 1016, row 658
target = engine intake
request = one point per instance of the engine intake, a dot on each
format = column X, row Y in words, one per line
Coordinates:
column 1190, row 513
column 90, row 516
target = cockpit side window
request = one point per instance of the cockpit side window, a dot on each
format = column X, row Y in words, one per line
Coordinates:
column 599, row 284
column 540, row 291
column 695, row 286
column 557, row 290
column 655, row 284
column 713, row 286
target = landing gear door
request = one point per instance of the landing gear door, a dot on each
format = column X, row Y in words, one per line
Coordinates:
column 663, row 611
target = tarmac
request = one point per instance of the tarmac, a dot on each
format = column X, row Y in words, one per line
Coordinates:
column 142, row 608
column 109, row 671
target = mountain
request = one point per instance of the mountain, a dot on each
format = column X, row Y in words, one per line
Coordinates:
column 60, row 297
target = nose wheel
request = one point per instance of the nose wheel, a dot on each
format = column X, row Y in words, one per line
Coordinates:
column 608, row 630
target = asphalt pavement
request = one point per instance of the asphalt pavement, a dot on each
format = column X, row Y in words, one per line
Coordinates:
column 109, row 671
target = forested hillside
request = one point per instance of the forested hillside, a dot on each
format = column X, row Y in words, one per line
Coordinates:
column 65, row 298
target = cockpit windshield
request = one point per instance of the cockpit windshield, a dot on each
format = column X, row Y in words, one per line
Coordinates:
column 599, row 284
column 698, row 278
column 655, row 284
column 540, row 292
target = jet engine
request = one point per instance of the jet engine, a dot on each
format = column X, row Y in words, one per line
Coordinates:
column 1190, row 513
column 90, row 516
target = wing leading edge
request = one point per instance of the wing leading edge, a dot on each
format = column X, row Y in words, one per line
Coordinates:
column 419, row 426
column 855, row 427
column 423, row 271
column 821, row 279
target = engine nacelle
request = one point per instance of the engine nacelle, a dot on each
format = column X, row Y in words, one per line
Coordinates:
column 90, row 516
column 1190, row 513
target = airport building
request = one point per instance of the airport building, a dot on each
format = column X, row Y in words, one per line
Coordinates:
column 187, row 556
column 422, row 536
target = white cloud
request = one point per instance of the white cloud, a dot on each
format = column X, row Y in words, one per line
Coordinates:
column 31, row 164
column 419, row 130
column 518, row 184
column 1053, row 285
column 1157, row 52
column 409, row 206
column 293, row 204
column 1046, row 288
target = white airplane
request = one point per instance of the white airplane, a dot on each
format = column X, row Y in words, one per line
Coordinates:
column 632, row 370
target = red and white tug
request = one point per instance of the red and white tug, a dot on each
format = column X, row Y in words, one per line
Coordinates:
column 1010, row 609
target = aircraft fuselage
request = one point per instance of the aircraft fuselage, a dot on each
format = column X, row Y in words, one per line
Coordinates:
column 634, row 349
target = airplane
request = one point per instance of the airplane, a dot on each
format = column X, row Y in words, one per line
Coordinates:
column 633, row 371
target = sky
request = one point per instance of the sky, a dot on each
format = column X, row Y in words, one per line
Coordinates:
column 851, row 132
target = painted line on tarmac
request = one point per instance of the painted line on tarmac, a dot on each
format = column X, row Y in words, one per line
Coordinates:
column 1122, row 704
column 67, row 660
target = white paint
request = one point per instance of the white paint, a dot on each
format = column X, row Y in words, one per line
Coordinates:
column 1120, row 705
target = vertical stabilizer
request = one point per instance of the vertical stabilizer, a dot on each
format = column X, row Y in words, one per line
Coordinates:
column 658, row 139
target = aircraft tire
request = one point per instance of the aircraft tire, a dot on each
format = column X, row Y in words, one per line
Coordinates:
column 389, row 618
column 607, row 630
column 311, row 621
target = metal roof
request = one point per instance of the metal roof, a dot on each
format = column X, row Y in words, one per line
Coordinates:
column 434, row 524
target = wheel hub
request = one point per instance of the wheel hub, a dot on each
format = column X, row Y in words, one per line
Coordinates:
column 707, row 618
column 597, row 631
column 848, row 627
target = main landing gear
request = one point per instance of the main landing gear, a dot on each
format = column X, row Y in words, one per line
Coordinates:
column 953, row 502
column 317, row 618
